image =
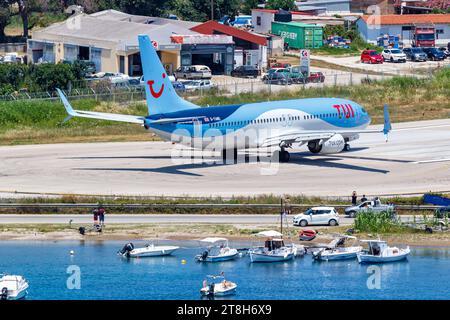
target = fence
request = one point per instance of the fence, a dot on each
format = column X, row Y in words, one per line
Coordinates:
column 223, row 85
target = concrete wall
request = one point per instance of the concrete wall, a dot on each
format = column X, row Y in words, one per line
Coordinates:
column 266, row 21
column 385, row 6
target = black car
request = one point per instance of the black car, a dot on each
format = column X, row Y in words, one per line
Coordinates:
column 445, row 51
column 278, row 78
column 245, row 71
column 442, row 213
column 434, row 54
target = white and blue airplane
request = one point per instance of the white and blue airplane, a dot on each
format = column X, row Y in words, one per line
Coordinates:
column 324, row 125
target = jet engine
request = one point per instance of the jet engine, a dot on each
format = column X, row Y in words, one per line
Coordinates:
column 333, row 145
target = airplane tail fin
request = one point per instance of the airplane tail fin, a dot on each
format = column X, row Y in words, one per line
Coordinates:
column 387, row 122
column 161, row 95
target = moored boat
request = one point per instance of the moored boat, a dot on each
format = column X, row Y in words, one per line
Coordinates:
column 216, row 250
column 379, row 252
column 150, row 250
column 337, row 251
column 274, row 249
column 13, row 287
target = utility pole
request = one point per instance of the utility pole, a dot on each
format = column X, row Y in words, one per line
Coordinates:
column 212, row 9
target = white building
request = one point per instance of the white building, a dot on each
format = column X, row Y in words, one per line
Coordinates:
column 372, row 26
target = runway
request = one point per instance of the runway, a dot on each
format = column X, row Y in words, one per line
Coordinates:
column 416, row 159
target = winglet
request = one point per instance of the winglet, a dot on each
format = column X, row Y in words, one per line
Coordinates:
column 66, row 104
column 387, row 122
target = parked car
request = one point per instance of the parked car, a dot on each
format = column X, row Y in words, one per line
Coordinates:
column 371, row 56
column 415, row 54
column 193, row 72
column 280, row 65
column 442, row 213
column 434, row 54
column 296, row 74
column 274, row 70
column 179, row 86
column 278, row 78
column 393, row 55
column 142, row 80
column 194, row 85
column 316, row 77
column 445, row 51
column 245, row 71
column 317, row 215
column 369, row 206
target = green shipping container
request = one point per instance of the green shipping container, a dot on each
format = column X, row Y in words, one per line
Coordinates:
column 299, row 35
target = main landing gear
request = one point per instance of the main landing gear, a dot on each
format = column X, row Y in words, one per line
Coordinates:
column 347, row 147
column 282, row 155
column 229, row 156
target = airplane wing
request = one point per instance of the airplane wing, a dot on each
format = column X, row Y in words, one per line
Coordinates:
column 97, row 115
column 116, row 117
column 308, row 135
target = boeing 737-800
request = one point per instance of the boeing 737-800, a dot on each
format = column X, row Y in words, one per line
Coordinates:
column 324, row 125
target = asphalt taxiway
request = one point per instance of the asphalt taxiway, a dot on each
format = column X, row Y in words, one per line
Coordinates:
column 416, row 159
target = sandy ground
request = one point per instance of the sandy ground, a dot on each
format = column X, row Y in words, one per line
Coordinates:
column 234, row 232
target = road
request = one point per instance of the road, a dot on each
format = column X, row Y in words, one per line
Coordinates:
column 416, row 159
column 243, row 219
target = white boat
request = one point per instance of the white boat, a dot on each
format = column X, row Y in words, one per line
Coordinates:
column 336, row 251
column 216, row 250
column 218, row 286
column 274, row 249
column 13, row 287
column 379, row 252
column 150, row 250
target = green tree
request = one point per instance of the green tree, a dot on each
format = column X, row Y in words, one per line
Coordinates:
column 5, row 15
column 248, row 5
column 48, row 77
column 12, row 75
column 281, row 4
column 200, row 10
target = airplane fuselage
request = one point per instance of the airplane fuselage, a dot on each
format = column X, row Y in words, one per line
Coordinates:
column 250, row 125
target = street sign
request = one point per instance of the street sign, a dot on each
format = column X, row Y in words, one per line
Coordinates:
column 304, row 62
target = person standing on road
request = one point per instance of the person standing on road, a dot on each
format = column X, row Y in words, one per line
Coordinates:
column 354, row 198
column 101, row 214
column 363, row 199
column 95, row 213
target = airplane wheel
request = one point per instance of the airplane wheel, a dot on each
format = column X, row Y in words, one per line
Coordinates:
column 347, row 147
column 226, row 158
column 283, row 156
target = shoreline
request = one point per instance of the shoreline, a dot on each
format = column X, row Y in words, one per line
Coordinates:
column 242, row 233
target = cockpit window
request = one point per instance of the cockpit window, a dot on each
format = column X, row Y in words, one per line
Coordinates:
column 363, row 110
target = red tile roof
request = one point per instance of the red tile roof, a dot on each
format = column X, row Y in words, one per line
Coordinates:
column 407, row 19
column 211, row 27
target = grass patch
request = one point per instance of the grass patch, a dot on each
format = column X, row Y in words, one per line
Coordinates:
column 410, row 99
column 382, row 222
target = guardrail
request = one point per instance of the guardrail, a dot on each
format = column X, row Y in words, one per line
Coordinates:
column 189, row 206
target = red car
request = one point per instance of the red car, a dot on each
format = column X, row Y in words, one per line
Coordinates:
column 371, row 56
column 316, row 77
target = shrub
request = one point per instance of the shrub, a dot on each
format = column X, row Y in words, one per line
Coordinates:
column 382, row 222
column 48, row 77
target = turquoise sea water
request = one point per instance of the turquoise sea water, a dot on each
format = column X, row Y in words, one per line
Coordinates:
column 104, row 275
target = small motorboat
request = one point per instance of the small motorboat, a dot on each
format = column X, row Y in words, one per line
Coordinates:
column 337, row 250
column 216, row 250
column 13, row 287
column 274, row 249
column 218, row 286
column 379, row 252
column 307, row 235
column 150, row 250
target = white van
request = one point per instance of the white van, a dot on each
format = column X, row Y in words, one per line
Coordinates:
column 193, row 72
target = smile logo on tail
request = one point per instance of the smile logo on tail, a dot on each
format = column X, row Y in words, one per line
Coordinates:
column 152, row 91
